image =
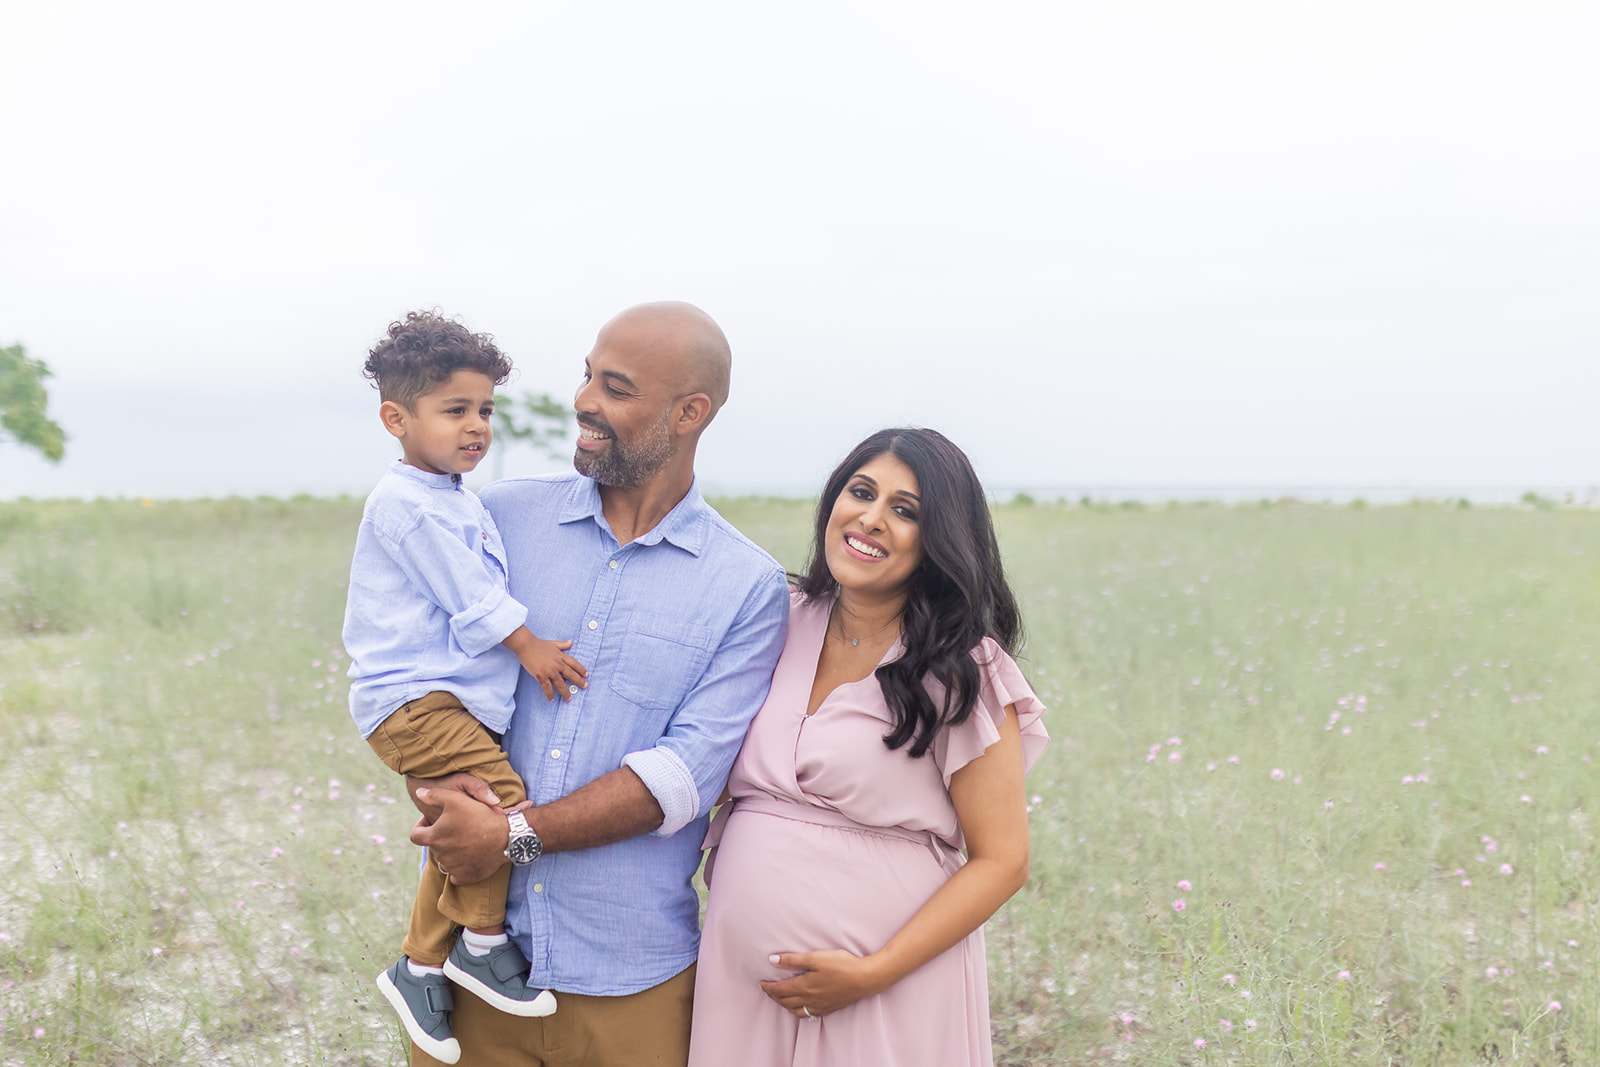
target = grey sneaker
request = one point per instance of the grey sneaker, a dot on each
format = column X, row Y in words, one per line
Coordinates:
column 424, row 1005
column 499, row 979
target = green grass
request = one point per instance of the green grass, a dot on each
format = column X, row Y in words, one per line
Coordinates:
column 196, row 834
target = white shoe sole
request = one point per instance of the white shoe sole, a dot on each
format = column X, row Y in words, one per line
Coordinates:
column 541, row 1005
column 446, row 1051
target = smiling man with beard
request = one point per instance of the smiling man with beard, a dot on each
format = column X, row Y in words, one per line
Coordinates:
column 680, row 620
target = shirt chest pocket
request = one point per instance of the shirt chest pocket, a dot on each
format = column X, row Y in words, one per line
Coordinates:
column 660, row 661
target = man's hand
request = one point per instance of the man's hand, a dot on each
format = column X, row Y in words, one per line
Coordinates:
column 470, row 784
column 461, row 825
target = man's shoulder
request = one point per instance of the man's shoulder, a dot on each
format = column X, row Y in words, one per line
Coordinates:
column 739, row 548
column 533, row 491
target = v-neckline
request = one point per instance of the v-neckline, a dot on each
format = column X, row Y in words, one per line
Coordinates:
column 820, row 639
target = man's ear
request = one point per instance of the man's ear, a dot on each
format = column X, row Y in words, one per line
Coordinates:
column 394, row 417
column 694, row 411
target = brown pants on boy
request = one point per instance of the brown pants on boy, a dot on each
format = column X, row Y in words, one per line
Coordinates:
column 431, row 737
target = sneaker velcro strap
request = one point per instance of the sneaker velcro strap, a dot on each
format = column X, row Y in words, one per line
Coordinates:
column 439, row 998
column 508, row 965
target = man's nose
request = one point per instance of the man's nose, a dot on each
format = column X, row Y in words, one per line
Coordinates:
column 583, row 399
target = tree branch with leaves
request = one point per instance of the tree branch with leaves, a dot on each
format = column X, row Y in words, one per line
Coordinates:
column 535, row 418
column 24, row 403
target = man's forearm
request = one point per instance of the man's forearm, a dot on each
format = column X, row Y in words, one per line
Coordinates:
column 468, row 834
column 613, row 807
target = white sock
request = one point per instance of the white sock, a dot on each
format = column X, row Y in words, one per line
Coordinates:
column 480, row 944
column 419, row 971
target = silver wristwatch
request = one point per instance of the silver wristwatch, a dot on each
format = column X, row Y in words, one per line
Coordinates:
column 524, row 846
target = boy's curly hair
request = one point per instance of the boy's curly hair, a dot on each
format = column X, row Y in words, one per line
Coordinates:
column 423, row 351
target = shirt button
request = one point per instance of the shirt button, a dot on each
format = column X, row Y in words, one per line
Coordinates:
column 486, row 537
column 555, row 753
column 538, row 887
column 613, row 564
column 594, row 624
column 572, row 689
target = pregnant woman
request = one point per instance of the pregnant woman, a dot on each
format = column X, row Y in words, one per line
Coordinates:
column 844, row 923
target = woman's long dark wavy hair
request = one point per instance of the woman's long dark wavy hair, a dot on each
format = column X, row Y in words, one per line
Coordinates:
column 956, row 596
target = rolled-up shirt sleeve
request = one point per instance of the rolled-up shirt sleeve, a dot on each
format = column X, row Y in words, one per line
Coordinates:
column 440, row 564
column 686, row 770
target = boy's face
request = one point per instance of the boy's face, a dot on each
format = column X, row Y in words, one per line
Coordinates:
column 450, row 430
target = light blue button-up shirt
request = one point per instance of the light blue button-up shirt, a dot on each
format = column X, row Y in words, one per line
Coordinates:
column 428, row 604
column 680, row 630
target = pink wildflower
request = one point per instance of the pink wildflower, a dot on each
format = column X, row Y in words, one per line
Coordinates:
column 1277, row 774
column 1179, row 905
column 1506, row 868
column 1199, row 1042
column 1184, row 885
column 1343, row 976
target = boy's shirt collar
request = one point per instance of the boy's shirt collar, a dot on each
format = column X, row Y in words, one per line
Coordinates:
column 428, row 478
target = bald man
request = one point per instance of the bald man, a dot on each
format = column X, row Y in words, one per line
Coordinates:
column 679, row 619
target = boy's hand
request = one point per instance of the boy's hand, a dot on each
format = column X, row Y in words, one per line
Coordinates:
column 553, row 669
column 548, row 662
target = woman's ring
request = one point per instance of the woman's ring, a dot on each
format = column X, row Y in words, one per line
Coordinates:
column 807, row 1011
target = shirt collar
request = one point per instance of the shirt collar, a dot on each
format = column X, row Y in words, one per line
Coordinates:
column 428, row 478
column 684, row 526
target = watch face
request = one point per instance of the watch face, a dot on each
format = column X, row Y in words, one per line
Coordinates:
column 524, row 848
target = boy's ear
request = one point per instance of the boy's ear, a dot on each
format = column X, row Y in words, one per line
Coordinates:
column 394, row 417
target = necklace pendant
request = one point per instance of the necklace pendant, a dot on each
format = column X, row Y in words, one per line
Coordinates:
column 854, row 641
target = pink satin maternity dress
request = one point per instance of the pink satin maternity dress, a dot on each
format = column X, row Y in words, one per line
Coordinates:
column 834, row 841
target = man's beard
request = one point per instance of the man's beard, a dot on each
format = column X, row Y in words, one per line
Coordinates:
column 628, row 466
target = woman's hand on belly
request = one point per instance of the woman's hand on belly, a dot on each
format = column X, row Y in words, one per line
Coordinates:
column 828, row 981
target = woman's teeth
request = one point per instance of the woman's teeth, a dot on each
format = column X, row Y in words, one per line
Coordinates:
column 861, row 546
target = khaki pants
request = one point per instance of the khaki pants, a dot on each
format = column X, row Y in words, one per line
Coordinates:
column 650, row 1027
column 429, row 738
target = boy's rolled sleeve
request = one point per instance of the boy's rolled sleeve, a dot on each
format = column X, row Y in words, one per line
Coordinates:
column 439, row 563
column 686, row 770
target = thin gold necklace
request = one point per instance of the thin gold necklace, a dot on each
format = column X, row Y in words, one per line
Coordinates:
column 838, row 620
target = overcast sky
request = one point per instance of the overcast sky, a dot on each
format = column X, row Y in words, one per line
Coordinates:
column 1235, row 243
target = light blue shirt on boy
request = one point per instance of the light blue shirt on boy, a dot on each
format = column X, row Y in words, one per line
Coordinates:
column 680, row 630
column 428, row 605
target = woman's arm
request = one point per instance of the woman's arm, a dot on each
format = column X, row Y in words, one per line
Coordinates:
column 991, row 804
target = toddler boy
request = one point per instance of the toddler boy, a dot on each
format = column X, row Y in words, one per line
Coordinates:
column 435, row 642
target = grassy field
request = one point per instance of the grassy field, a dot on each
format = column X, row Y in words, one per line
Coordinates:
column 1318, row 793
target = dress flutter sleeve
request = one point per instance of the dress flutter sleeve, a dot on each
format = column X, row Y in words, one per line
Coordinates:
column 1001, row 684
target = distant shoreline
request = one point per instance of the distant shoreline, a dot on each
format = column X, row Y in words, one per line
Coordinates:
column 1587, row 497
